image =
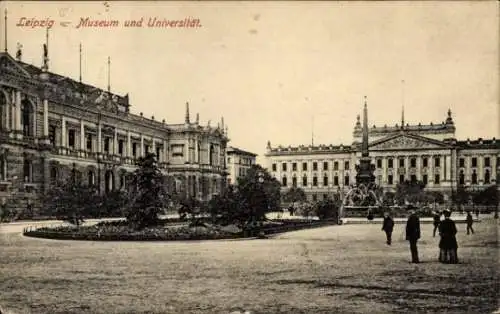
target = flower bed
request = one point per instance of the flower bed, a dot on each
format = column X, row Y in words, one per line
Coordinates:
column 125, row 233
column 118, row 231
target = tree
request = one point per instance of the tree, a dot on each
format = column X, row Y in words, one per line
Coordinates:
column 410, row 191
column 488, row 196
column 258, row 194
column 148, row 194
column 327, row 209
column 224, row 208
column 293, row 195
column 70, row 200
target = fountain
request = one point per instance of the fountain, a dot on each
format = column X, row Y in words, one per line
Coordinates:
column 362, row 197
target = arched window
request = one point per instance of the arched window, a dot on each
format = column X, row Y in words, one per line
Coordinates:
column 109, row 179
column 325, row 180
column 27, row 173
column 211, row 154
column 474, row 177
column 4, row 119
column 304, row 180
column 461, row 179
column 294, row 182
column 487, row 176
column 27, row 118
column 198, row 158
column 53, row 174
column 283, row 181
column 3, row 167
column 90, row 177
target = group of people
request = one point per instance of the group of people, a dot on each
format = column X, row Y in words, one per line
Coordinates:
column 448, row 245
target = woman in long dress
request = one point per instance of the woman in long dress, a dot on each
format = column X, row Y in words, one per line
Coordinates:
column 448, row 245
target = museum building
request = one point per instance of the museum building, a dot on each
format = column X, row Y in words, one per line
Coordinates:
column 428, row 153
column 52, row 127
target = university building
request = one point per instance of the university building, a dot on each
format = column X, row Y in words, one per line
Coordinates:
column 238, row 162
column 52, row 127
column 428, row 153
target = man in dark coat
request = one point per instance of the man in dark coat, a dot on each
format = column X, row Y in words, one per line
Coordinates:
column 448, row 245
column 387, row 227
column 437, row 221
column 413, row 234
column 469, row 221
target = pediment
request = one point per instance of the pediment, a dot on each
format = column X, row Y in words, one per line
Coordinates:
column 8, row 64
column 406, row 141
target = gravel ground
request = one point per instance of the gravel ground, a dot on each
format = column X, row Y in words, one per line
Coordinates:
column 339, row 269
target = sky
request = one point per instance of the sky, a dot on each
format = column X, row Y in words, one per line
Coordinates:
column 287, row 72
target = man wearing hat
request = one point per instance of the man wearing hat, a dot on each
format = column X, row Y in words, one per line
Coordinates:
column 413, row 234
column 437, row 221
column 448, row 245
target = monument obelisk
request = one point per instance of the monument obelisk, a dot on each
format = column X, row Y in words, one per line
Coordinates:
column 365, row 168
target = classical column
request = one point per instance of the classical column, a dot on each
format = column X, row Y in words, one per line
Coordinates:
column 82, row 136
column 18, row 125
column 186, row 153
column 129, row 145
column 141, row 152
column 45, row 118
column 63, row 132
column 99, row 138
column 8, row 121
column 419, row 167
column 448, row 165
column 165, row 151
column 153, row 147
column 197, row 151
column 115, row 142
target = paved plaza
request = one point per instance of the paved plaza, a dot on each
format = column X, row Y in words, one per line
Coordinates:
column 338, row 269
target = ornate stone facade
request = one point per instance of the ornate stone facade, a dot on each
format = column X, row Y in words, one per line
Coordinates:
column 51, row 125
column 429, row 153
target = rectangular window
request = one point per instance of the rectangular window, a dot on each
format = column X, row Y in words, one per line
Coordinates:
column 106, row 144
column 304, row 181
column 474, row 162
column 283, row 166
column 425, row 179
column 325, row 165
column 379, row 163
column 315, row 166
column 346, row 180
column 89, row 142
column 325, row 196
column 120, row 147
column 401, row 163
column 336, row 180
column 158, row 151
column 134, row 149
column 437, row 162
column 425, row 162
column 390, row 163
column 304, row 166
column 401, row 178
column 462, row 162
column 413, row 162
column 436, row 179
column 487, row 161
column 346, row 165
column 325, row 181
column 390, row 180
column 413, row 178
column 283, row 181
column 177, row 150
column 274, row 167
column 146, row 149
column 294, row 166
column 336, row 165
column 71, row 138
column 294, row 182
column 52, row 135
column 315, row 181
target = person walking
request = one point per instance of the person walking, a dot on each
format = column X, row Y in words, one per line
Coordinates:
column 413, row 234
column 469, row 221
column 437, row 221
column 388, row 227
column 448, row 246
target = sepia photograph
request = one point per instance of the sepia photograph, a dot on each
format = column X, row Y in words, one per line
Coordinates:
column 249, row 157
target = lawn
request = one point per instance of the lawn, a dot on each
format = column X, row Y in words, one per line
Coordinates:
column 338, row 269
